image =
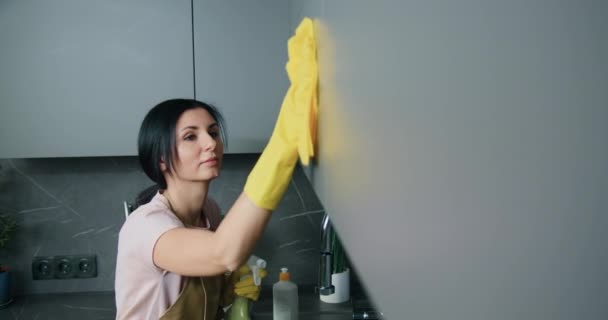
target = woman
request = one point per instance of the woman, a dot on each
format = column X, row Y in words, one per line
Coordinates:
column 172, row 252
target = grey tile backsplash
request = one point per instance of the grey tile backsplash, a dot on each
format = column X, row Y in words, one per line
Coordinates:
column 67, row 206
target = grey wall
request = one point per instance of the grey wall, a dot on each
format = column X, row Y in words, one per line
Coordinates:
column 70, row 206
column 463, row 153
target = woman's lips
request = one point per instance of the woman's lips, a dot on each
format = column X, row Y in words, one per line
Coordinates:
column 210, row 162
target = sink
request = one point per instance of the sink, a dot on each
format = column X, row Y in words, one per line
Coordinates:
column 312, row 308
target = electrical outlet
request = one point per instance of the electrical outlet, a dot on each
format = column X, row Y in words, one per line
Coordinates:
column 42, row 268
column 86, row 266
column 64, row 267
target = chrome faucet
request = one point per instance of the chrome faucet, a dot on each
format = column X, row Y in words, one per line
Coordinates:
column 325, row 265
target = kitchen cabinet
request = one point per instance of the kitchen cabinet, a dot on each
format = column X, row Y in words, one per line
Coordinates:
column 240, row 50
column 79, row 75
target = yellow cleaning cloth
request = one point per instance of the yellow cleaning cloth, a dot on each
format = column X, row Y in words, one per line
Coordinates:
column 295, row 130
column 302, row 94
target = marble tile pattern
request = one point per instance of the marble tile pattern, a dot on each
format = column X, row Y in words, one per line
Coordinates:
column 68, row 206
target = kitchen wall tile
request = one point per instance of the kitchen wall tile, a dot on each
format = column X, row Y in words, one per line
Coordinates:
column 67, row 206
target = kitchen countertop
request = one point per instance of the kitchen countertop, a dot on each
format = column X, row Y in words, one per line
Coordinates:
column 100, row 306
column 311, row 308
column 61, row 306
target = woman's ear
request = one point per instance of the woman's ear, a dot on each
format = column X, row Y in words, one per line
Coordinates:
column 163, row 165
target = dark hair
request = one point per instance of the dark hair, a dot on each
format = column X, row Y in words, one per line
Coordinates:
column 145, row 196
column 156, row 140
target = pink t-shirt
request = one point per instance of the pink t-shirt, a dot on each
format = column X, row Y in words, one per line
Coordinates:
column 144, row 291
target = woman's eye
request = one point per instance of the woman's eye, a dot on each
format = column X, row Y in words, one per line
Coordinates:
column 214, row 134
column 190, row 137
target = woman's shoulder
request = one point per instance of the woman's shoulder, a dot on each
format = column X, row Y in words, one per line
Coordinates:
column 158, row 205
column 152, row 213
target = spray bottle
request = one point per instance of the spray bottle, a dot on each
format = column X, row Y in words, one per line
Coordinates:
column 241, row 305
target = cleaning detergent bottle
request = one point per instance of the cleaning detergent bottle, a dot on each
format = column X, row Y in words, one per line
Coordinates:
column 241, row 305
column 284, row 298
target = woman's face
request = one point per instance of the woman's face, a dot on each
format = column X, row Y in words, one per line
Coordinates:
column 199, row 146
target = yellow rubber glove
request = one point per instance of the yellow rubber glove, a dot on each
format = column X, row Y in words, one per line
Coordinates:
column 245, row 287
column 295, row 130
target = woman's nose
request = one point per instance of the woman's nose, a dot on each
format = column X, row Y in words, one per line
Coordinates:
column 209, row 143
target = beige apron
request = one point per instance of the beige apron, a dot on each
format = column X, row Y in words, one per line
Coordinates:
column 201, row 299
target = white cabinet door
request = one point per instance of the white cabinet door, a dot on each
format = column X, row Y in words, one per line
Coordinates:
column 77, row 76
column 241, row 51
